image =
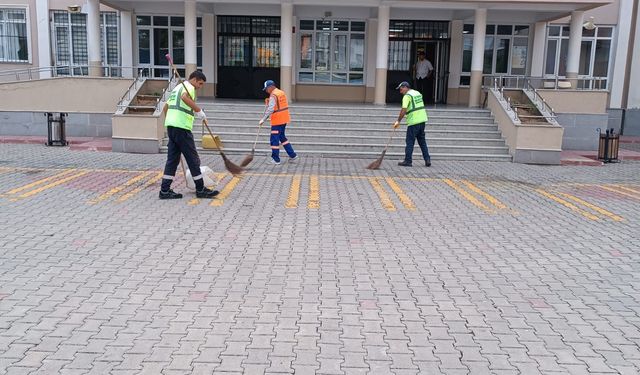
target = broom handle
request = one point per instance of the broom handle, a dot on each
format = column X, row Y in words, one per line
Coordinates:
column 255, row 142
column 389, row 141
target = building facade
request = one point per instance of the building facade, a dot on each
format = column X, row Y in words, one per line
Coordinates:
column 346, row 51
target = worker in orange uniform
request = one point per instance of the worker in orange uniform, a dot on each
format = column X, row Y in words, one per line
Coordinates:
column 278, row 110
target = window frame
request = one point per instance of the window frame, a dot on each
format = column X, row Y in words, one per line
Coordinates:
column 332, row 49
column 27, row 23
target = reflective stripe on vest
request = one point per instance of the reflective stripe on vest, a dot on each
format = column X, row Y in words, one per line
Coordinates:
column 416, row 113
column 280, row 115
column 179, row 114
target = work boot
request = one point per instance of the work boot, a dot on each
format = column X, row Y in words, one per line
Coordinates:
column 404, row 164
column 207, row 193
column 170, row 194
column 274, row 161
column 427, row 162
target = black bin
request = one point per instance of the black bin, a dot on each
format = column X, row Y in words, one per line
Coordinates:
column 56, row 135
column 609, row 146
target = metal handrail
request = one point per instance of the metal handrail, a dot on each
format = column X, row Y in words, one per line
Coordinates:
column 505, row 102
column 54, row 70
column 521, row 82
column 140, row 77
column 537, row 98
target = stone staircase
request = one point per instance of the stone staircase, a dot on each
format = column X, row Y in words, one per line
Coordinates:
column 337, row 130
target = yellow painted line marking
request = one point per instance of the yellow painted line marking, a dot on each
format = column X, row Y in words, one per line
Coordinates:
column 493, row 200
column 294, row 192
column 621, row 192
column 314, row 192
column 135, row 191
column 41, row 181
column 194, row 202
column 404, row 198
column 600, row 210
column 382, row 194
column 466, row 195
column 219, row 200
column 570, row 205
column 53, row 184
column 119, row 188
column 633, row 191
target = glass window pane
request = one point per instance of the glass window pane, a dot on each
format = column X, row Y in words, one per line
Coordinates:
column 339, row 78
column 467, row 29
column 502, row 55
column 305, row 77
column 399, row 55
column 521, row 30
column 356, row 78
column 79, row 44
column 565, row 30
column 199, row 22
column 467, row 52
column 306, row 51
column 562, row 65
column 554, row 30
column 605, row 32
column 160, row 46
column 143, row 20
column 160, row 21
column 588, row 33
column 177, row 21
column 601, row 62
column 266, row 52
column 488, row 55
column 465, row 80
column 178, row 46
column 357, row 26
column 505, row 29
column 322, row 51
column 491, row 29
column 519, row 55
column 234, row 51
column 340, row 25
column 400, row 29
column 323, row 77
column 585, row 58
column 340, row 52
column 356, row 53
column 323, row 25
column 306, row 25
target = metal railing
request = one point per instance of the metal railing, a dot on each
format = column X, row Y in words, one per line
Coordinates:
column 549, row 83
column 505, row 102
column 173, row 82
column 133, row 88
column 54, row 71
column 543, row 107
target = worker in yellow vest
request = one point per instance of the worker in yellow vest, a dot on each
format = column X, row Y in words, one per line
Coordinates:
column 413, row 108
column 278, row 110
column 180, row 109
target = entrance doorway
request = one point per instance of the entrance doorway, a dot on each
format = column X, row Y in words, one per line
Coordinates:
column 407, row 39
column 248, row 55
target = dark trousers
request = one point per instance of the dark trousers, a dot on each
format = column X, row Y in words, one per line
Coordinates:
column 416, row 132
column 278, row 137
column 425, row 87
column 421, row 85
column 181, row 142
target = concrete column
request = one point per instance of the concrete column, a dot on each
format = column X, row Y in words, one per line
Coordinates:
column 370, row 86
column 44, row 47
column 190, row 41
column 286, row 46
column 539, row 47
column 208, row 53
column 477, row 57
column 575, row 42
column 126, row 44
column 382, row 55
column 633, row 94
column 621, row 54
column 455, row 57
column 93, row 38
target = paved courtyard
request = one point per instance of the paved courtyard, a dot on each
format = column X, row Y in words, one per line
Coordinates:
column 317, row 267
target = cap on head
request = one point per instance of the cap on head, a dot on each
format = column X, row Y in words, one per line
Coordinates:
column 403, row 84
column 267, row 84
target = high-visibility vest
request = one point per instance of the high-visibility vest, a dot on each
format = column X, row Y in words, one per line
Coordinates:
column 280, row 115
column 179, row 114
column 416, row 113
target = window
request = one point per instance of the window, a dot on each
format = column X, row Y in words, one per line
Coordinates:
column 249, row 41
column 506, row 51
column 595, row 53
column 14, row 43
column 159, row 35
column 332, row 52
column 69, row 33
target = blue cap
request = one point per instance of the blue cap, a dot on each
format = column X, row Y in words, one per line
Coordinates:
column 267, row 84
column 403, row 84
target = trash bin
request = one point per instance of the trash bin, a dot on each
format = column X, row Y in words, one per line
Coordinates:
column 608, row 146
column 55, row 129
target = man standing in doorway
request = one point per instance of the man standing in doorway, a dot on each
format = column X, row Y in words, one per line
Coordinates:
column 422, row 71
column 413, row 108
column 278, row 110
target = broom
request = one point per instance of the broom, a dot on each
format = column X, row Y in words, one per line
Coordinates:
column 232, row 168
column 249, row 158
column 376, row 164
